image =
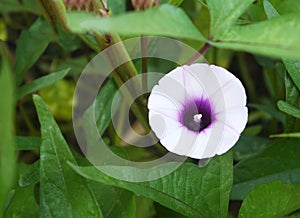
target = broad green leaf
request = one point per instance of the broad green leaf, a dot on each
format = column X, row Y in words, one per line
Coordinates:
column 289, row 109
column 27, row 143
column 8, row 6
column 114, row 202
column 62, row 192
column 292, row 66
column 30, row 46
column 223, row 15
column 267, row 37
column 280, row 161
column 273, row 199
column 23, row 203
column 31, row 175
column 175, row 23
column 7, row 147
column 190, row 190
column 41, row 82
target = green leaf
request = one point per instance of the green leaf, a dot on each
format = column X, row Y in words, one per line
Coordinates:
column 289, row 109
column 7, row 148
column 291, row 81
column 292, row 97
column 61, row 190
column 176, row 23
column 280, row 161
column 293, row 68
column 30, row 46
column 23, row 203
column 114, row 202
column 190, row 190
column 31, row 175
column 103, row 103
column 267, row 37
column 41, row 82
column 27, row 143
column 273, row 199
column 224, row 13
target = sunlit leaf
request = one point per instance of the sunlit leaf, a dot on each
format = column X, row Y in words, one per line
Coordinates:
column 224, row 13
column 267, row 37
column 175, row 23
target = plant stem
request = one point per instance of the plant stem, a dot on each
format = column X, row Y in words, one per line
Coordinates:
column 200, row 53
column 144, row 46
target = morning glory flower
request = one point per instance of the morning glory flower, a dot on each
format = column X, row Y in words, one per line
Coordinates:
column 198, row 110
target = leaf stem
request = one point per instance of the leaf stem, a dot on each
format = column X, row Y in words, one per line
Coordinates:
column 144, row 47
column 200, row 53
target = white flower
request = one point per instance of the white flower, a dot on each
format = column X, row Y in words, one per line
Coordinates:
column 198, row 110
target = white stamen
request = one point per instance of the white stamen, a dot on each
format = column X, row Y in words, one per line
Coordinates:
column 197, row 118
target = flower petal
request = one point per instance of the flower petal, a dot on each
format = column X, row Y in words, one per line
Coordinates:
column 231, row 95
column 235, row 118
column 200, row 145
column 223, row 75
column 205, row 77
column 162, row 125
column 181, row 141
column 172, row 85
column 161, row 103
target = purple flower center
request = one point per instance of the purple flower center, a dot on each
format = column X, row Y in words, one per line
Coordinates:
column 196, row 114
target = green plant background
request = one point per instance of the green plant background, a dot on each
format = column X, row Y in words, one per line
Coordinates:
column 43, row 172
